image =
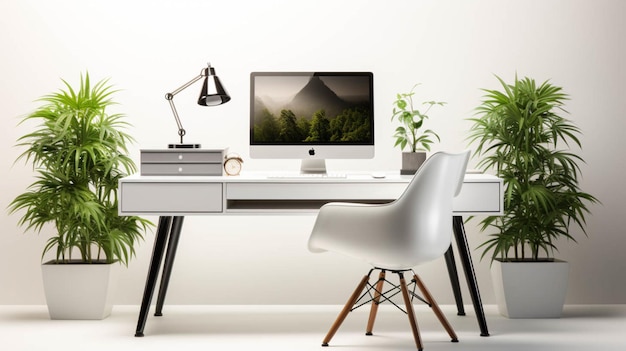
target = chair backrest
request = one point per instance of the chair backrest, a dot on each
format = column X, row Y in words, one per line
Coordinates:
column 425, row 207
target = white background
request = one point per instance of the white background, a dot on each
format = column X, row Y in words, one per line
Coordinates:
column 454, row 48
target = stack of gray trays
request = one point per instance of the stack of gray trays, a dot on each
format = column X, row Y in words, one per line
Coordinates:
column 182, row 162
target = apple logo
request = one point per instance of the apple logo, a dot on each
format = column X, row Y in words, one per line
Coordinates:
column 312, row 152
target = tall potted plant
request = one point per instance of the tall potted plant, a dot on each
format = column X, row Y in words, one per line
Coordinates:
column 522, row 137
column 410, row 132
column 79, row 153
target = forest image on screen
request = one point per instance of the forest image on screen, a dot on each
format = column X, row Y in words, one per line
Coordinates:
column 326, row 109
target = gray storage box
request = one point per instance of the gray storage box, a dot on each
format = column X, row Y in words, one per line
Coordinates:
column 192, row 162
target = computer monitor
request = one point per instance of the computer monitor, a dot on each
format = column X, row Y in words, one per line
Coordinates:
column 312, row 116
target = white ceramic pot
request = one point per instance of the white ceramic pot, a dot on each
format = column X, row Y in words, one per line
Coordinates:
column 530, row 289
column 79, row 291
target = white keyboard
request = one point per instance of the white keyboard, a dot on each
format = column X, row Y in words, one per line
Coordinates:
column 307, row 176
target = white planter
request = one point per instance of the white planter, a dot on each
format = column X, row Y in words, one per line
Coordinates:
column 530, row 289
column 79, row 291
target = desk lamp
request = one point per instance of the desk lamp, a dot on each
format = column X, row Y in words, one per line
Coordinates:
column 212, row 94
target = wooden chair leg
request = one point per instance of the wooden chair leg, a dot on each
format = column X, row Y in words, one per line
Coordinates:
column 410, row 312
column 375, row 303
column 435, row 307
column 346, row 309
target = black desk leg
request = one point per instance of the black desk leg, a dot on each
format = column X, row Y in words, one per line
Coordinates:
column 454, row 280
column 163, row 231
column 470, row 274
column 170, row 255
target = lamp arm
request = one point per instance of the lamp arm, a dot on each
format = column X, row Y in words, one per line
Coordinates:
column 170, row 98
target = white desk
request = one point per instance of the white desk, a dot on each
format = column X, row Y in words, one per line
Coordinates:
column 256, row 193
column 173, row 197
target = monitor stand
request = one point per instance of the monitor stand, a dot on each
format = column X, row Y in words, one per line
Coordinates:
column 313, row 166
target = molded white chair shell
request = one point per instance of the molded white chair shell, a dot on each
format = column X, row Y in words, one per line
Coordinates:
column 415, row 228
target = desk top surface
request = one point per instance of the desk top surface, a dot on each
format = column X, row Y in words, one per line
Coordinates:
column 270, row 177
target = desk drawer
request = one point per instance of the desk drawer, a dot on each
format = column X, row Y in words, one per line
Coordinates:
column 206, row 169
column 478, row 198
column 182, row 156
column 170, row 198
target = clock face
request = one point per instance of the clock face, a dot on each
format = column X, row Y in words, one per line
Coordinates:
column 232, row 166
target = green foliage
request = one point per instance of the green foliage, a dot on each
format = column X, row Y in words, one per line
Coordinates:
column 522, row 138
column 412, row 120
column 268, row 128
column 79, row 153
column 350, row 125
column 288, row 127
column 320, row 127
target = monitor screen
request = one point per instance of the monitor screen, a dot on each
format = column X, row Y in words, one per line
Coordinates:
column 309, row 115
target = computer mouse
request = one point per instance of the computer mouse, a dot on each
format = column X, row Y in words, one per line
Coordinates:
column 378, row 175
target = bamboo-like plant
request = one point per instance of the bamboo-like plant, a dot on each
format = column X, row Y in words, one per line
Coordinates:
column 79, row 152
column 523, row 139
column 411, row 120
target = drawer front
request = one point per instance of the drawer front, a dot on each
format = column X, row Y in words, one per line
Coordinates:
column 170, row 198
column 196, row 169
column 479, row 198
column 314, row 191
column 182, row 157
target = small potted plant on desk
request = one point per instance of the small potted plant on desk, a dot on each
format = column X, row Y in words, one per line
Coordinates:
column 523, row 139
column 409, row 133
column 79, row 153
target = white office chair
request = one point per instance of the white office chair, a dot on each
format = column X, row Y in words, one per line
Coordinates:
column 415, row 228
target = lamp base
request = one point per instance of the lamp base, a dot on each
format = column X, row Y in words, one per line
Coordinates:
column 183, row 146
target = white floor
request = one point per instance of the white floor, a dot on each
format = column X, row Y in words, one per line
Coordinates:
column 598, row 327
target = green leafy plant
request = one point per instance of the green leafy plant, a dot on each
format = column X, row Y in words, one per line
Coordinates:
column 523, row 139
column 79, row 152
column 409, row 133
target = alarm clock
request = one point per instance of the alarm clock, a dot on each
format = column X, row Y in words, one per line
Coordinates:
column 232, row 164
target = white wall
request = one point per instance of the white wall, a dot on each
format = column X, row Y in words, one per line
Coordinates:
column 453, row 48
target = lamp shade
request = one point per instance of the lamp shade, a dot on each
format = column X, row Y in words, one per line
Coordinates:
column 212, row 93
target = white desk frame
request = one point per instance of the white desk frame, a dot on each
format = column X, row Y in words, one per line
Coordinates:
column 174, row 197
